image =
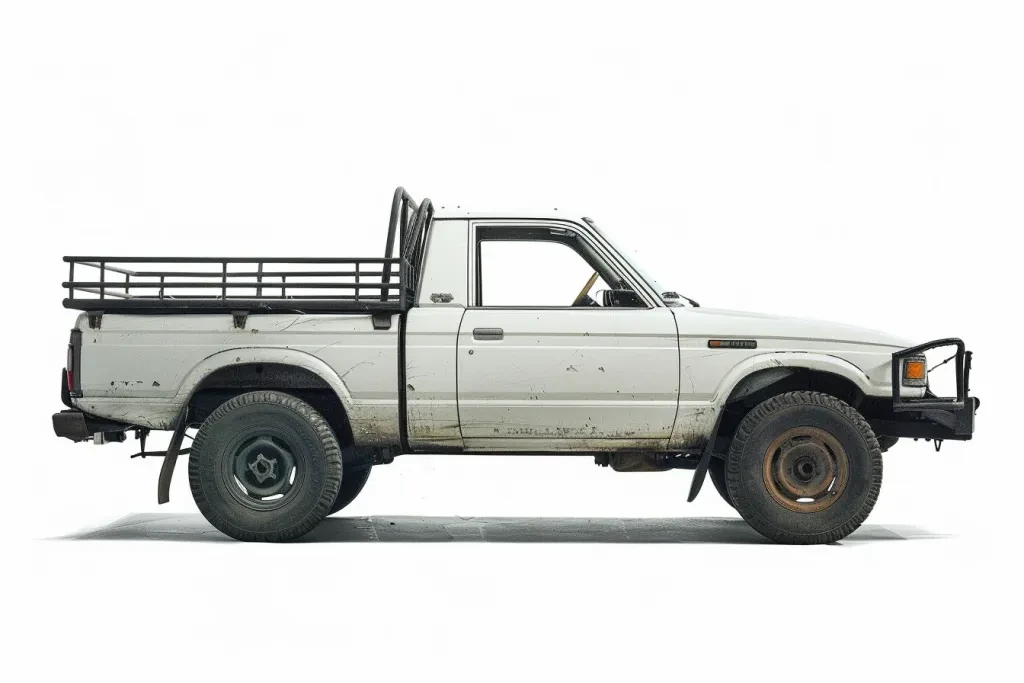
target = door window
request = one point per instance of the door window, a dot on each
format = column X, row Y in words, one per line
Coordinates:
column 536, row 273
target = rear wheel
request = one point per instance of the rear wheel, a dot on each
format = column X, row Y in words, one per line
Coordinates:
column 265, row 466
column 351, row 485
column 804, row 467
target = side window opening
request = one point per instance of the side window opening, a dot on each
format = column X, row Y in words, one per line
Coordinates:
column 535, row 273
column 545, row 267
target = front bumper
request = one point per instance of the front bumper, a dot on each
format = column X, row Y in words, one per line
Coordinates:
column 930, row 416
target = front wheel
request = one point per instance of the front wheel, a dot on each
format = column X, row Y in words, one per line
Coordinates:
column 804, row 467
column 716, row 471
column 265, row 466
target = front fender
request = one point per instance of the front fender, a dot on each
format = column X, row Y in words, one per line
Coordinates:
column 710, row 420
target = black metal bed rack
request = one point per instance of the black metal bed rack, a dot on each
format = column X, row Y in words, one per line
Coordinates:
column 158, row 284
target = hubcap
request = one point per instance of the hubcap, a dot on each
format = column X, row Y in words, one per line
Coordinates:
column 263, row 469
column 806, row 469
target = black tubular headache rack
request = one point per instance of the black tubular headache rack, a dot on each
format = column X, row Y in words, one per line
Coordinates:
column 231, row 285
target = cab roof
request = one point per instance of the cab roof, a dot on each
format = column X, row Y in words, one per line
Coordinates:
column 457, row 212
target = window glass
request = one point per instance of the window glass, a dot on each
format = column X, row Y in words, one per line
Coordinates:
column 534, row 273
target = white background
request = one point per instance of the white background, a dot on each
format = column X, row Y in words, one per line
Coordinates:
column 859, row 162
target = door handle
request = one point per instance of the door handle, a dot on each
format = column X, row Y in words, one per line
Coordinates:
column 488, row 333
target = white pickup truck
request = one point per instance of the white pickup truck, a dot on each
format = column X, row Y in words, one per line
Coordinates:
column 301, row 374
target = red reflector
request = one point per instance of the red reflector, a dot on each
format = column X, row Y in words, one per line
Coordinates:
column 69, row 371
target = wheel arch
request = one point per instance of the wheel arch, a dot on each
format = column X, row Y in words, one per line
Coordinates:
column 763, row 384
column 765, row 375
column 228, row 373
column 827, row 375
column 759, row 371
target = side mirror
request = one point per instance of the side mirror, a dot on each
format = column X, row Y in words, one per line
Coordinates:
column 621, row 298
column 674, row 299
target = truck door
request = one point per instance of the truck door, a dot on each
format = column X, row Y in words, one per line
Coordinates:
column 545, row 366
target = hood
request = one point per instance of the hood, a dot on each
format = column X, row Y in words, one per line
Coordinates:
column 711, row 322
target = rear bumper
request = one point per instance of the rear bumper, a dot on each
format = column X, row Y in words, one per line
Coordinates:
column 930, row 416
column 77, row 426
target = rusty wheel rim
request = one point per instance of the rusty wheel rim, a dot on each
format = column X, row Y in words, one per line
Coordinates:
column 806, row 469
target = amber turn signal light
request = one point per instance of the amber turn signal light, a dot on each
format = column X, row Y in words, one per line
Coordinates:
column 915, row 372
column 914, row 369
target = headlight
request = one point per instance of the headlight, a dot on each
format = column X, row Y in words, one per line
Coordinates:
column 915, row 371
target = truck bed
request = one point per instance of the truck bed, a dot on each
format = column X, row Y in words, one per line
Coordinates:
column 142, row 369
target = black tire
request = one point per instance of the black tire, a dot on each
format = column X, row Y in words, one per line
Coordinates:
column 265, row 466
column 716, row 471
column 351, row 485
column 887, row 442
column 785, row 470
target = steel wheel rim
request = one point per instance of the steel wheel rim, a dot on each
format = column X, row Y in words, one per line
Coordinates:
column 806, row 469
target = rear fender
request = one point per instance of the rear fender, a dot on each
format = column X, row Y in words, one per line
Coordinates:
column 225, row 359
column 242, row 356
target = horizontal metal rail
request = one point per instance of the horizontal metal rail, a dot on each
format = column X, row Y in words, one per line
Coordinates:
column 218, row 305
column 229, row 284
column 216, row 259
column 257, row 273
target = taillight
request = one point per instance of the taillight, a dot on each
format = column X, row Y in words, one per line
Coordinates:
column 71, row 366
column 74, row 380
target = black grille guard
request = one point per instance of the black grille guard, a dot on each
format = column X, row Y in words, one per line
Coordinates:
column 951, row 417
column 927, row 402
